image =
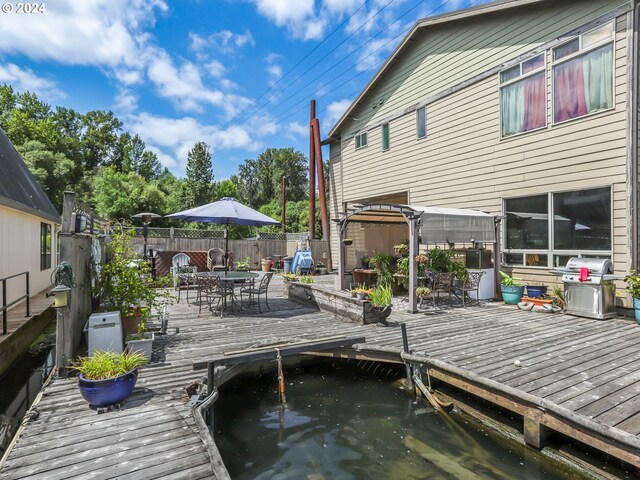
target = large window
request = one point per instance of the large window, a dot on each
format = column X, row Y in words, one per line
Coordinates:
column 583, row 75
column 523, row 96
column 45, row 246
column 580, row 225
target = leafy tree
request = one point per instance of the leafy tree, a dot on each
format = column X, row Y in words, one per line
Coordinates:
column 226, row 188
column 100, row 136
column 199, row 175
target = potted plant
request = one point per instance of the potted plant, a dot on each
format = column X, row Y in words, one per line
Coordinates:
column 536, row 291
column 422, row 293
column 381, row 301
column 512, row 289
column 321, row 268
column 243, row 266
column 402, row 248
column 266, row 264
column 290, row 277
column 347, row 241
column 308, row 279
column 364, row 261
column 362, row 293
column 141, row 341
column 107, row 378
column 633, row 287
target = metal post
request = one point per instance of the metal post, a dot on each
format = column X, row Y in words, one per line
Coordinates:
column 312, row 175
column 210, row 388
column 145, row 232
column 405, row 347
column 4, row 307
column 28, row 294
column 284, row 204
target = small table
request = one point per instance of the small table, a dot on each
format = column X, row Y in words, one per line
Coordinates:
column 230, row 278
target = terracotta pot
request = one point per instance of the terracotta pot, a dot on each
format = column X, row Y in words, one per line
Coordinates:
column 130, row 324
column 266, row 265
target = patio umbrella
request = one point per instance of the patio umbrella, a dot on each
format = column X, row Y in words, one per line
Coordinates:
column 226, row 211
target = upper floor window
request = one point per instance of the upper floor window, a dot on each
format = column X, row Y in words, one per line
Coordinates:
column 361, row 140
column 385, row 136
column 421, row 122
column 45, row 246
column 523, row 96
column 583, row 74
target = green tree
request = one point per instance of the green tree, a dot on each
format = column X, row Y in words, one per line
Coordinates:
column 199, row 175
column 99, row 139
column 226, row 188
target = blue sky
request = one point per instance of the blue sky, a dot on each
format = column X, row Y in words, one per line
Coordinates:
column 221, row 71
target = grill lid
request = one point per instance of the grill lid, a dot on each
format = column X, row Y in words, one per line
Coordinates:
column 596, row 266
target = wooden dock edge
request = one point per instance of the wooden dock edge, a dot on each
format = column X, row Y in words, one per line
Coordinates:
column 537, row 412
column 17, row 342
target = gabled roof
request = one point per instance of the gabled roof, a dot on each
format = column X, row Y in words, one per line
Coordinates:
column 18, row 187
column 464, row 13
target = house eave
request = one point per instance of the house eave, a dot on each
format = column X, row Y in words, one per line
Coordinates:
column 7, row 202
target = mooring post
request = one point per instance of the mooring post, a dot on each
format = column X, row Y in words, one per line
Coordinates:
column 210, row 389
column 405, row 347
column 281, row 395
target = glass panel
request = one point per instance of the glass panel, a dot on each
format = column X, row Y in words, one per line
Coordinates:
column 582, row 220
column 358, row 141
column 566, row 49
column 583, row 85
column 364, row 139
column 524, row 105
column 536, row 259
column 512, row 259
column 527, row 222
column 422, row 122
column 561, row 260
column 533, row 64
column 510, row 74
column 385, row 136
column 598, row 35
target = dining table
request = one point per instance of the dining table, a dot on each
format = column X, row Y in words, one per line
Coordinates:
column 231, row 281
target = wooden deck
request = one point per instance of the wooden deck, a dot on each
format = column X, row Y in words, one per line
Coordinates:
column 573, row 372
column 16, row 316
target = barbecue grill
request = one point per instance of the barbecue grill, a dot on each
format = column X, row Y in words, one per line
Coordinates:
column 591, row 294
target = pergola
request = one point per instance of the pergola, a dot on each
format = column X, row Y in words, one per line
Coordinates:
column 432, row 224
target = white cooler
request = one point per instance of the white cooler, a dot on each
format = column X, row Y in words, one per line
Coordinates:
column 104, row 332
column 487, row 289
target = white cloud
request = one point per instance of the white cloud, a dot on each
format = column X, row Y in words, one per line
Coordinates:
column 183, row 86
column 224, row 41
column 172, row 138
column 273, row 69
column 334, row 112
column 125, row 101
column 283, row 12
column 215, row 68
column 26, row 80
column 71, row 32
column 297, row 129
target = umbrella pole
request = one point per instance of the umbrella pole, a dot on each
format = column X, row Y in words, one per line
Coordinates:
column 226, row 247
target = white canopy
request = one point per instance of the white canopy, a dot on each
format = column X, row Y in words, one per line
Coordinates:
column 455, row 225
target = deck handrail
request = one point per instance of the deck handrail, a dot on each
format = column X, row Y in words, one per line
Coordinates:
column 5, row 305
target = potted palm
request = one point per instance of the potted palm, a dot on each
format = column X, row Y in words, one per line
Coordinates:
column 633, row 287
column 512, row 289
column 107, row 378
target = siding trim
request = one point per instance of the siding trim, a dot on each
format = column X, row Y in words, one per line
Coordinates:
column 633, row 20
column 488, row 73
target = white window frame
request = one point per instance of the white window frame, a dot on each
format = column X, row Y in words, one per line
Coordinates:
column 358, row 139
column 519, row 79
column 551, row 252
column 382, row 129
column 418, row 136
column 580, row 53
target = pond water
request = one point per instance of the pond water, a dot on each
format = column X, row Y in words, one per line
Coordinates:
column 347, row 425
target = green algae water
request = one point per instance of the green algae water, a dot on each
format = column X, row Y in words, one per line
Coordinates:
column 341, row 425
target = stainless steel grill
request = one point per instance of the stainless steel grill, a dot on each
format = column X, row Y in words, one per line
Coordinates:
column 592, row 294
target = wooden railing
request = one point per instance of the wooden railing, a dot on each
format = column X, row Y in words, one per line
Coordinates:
column 5, row 305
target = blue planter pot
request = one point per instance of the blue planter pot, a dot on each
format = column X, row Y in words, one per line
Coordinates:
column 636, row 307
column 536, row 291
column 101, row 393
column 512, row 295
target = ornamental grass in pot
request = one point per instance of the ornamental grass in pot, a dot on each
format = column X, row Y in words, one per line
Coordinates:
column 107, row 378
column 633, row 287
column 512, row 290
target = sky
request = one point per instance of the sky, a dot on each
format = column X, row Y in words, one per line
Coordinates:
column 236, row 74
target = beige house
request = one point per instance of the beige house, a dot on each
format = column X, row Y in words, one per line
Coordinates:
column 28, row 223
column 527, row 109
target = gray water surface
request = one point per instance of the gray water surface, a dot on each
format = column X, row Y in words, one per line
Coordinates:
column 344, row 425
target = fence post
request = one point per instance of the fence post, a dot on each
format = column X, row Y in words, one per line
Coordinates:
column 171, row 232
column 4, row 305
column 28, row 294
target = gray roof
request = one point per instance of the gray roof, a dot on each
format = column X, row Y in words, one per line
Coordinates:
column 18, row 187
column 419, row 26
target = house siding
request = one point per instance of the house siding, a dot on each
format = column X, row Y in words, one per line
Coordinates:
column 464, row 163
column 445, row 55
column 20, row 252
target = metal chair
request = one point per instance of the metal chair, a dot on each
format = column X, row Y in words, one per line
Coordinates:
column 442, row 283
column 471, row 284
column 210, row 290
column 262, row 288
column 215, row 259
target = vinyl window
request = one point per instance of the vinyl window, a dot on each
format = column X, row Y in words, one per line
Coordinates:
column 583, row 75
column 421, row 122
column 385, row 137
column 361, row 140
column 523, row 97
column 45, row 246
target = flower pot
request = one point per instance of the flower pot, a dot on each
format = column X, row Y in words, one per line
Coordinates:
column 143, row 345
column 361, row 296
column 101, row 393
column 636, row 308
column 266, row 265
column 535, row 291
column 131, row 323
column 377, row 314
column 512, row 294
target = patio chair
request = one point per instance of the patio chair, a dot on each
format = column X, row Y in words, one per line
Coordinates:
column 254, row 292
column 442, row 283
column 215, row 259
column 471, row 284
column 211, row 290
column 179, row 260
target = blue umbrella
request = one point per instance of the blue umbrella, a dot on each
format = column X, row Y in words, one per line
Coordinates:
column 226, row 211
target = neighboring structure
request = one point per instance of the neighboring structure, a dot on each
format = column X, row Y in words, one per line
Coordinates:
column 521, row 108
column 28, row 224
